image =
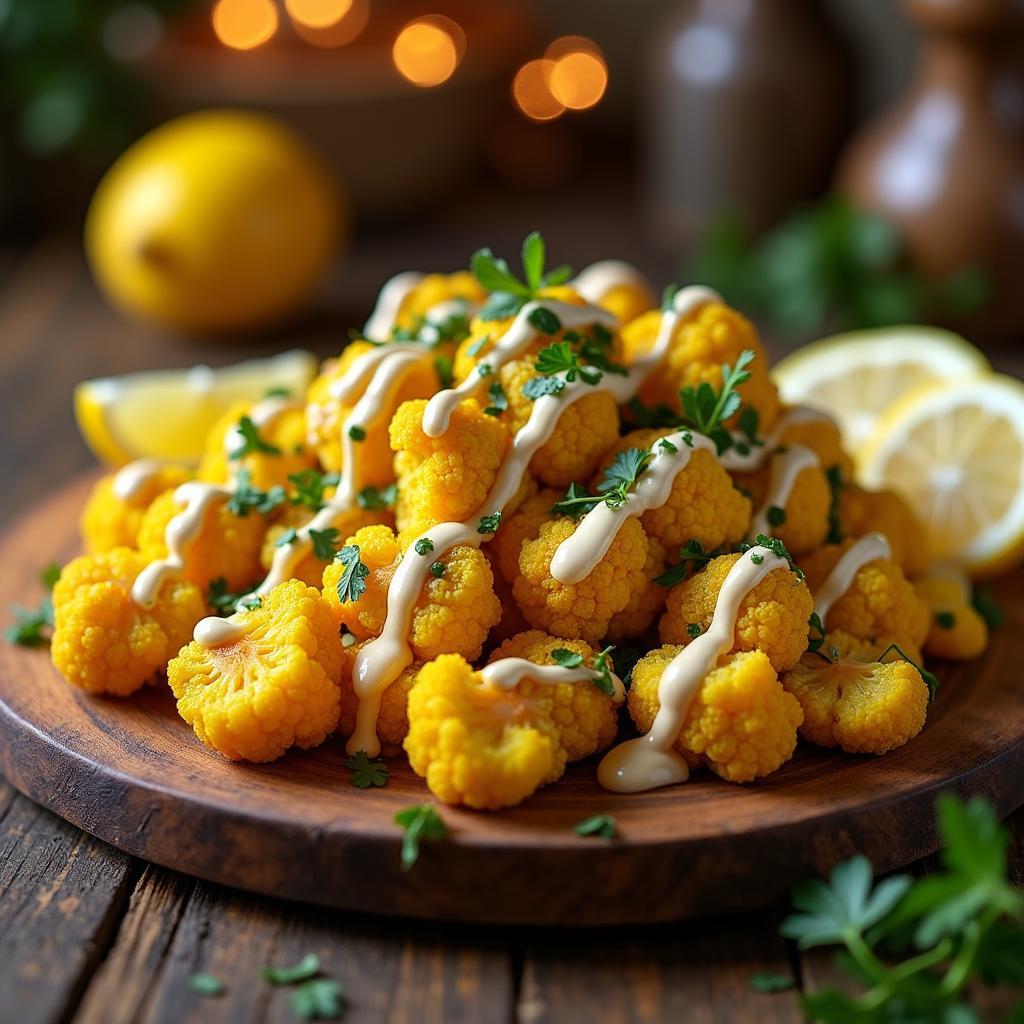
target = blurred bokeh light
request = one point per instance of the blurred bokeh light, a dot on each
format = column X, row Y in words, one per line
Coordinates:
column 532, row 92
column 328, row 23
column 428, row 50
column 244, row 24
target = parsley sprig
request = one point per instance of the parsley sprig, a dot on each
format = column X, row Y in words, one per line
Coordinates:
column 916, row 946
column 603, row 666
column 366, row 773
column 420, row 821
column 691, row 556
column 32, row 625
column 352, row 584
column 706, row 409
column 251, row 442
column 619, row 479
column 309, row 487
column 599, row 826
column 248, row 498
column 508, row 293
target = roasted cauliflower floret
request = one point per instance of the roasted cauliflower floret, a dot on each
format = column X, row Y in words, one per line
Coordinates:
column 326, row 415
column 823, row 438
column 522, row 525
column 103, row 641
column 862, row 512
column 854, row 701
column 955, row 631
column 741, row 723
column 453, row 613
column 703, row 504
column 879, row 603
column 285, row 434
column 627, row 301
column 447, row 478
column 110, row 521
column 581, row 609
column 435, row 289
column 273, row 688
column 701, row 344
column 227, row 545
column 772, row 618
column 646, row 603
column 802, row 521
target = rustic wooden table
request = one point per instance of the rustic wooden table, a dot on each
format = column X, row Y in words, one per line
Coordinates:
column 91, row 935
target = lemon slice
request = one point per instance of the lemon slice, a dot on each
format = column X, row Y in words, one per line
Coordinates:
column 956, row 452
column 166, row 414
column 855, row 376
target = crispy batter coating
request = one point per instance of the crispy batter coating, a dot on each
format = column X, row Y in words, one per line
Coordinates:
column 806, row 522
column 103, row 642
column 856, row 702
column 452, row 614
column 523, row 524
column 108, row 521
column 227, row 545
column 581, row 609
column 447, row 478
column 628, row 301
column 880, row 601
column 274, row 688
column 741, row 723
column 955, row 631
column 714, row 335
column 862, row 511
column 772, row 617
column 824, row 439
column 646, row 603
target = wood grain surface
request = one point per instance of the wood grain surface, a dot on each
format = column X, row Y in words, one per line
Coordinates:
column 131, row 773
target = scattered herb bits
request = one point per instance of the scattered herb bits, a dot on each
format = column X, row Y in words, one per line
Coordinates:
column 352, row 584
column 307, row 967
column 206, row 985
column 366, row 773
column 601, row 826
column 421, row 821
column 424, row 546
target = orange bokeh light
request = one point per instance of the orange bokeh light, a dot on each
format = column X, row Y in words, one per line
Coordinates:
column 564, row 45
column 328, row 23
column 532, row 93
column 428, row 50
column 578, row 80
column 244, row 24
column 317, row 13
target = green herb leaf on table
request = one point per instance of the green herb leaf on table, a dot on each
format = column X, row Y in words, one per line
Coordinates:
column 352, row 584
column 325, row 543
column 366, row 773
column 765, row 981
column 318, row 999
column 251, row 442
column 206, row 985
column 420, row 821
column 49, row 575
column 31, row 626
column 601, row 826
column 566, row 658
column 306, row 968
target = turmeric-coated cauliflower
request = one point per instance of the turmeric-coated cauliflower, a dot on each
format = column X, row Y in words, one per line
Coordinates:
column 852, row 700
column 273, row 688
column 433, row 290
column 861, row 511
column 880, row 602
column 741, row 723
column 772, row 618
column 522, row 525
column 822, row 436
column 627, row 301
column 956, row 631
column 581, row 609
column 103, row 641
column 646, row 603
column 110, row 521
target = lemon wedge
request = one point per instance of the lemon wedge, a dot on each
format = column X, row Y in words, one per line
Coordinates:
column 166, row 414
column 956, row 452
column 856, row 376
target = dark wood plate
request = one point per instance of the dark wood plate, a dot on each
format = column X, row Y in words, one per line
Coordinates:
column 132, row 773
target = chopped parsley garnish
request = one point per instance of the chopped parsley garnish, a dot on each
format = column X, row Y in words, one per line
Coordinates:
column 250, row 603
column 423, row 546
column 444, row 367
column 366, row 773
column 559, row 357
column 776, row 515
column 815, row 630
column 988, row 607
column 654, row 417
column 307, row 967
column 352, row 584
column 437, row 569
column 356, row 432
column 376, row 498
column 489, row 524
column 621, row 476
column 945, row 620
column 706, row 409
column 247, row 498
column 757, row 559
column 485, row 370
column 318, row 999
column 498, row 399
column 777, row 548
column 750, row 424
column 206, row 985
column 691, row 554
column 31, row 625
column 836, row 483
column 577, row 502
column 290, row 536
column 325, row 543
column 667, row 446
column 49, row 575
column 475, row 348
column 668, row 296
column 219, row 598
column 603, row 666
column 421, row 821
column 544, row 320
column 536, row 387
column 431, row 332
column 764, row 981
column 251, row 441
column 309, row 485
column 600, row 826
column 278, row 392
column 566, row 658
column 694, row 629
column 509, row 294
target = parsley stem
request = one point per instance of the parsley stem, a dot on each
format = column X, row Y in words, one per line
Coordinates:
column 904, row 972
column 961, row 968
column 866, row 959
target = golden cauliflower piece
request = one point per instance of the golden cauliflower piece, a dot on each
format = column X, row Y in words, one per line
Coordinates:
column 741, row 724
column 104, row 642
column 823, row 438
column 646, row 603
column 880, row 601
column 435, row 289
column 703, row 504
column 393, row 720
column 581, row 609
column 447, row 478
column 522, row 525
column 628, row 301
column 227, row 545
column 955, row 630
column 109, row 521
column 856, row 702
column 326, row 415
column 455, row 609
column 714, row 335
column 862, row 511
column 804, row 522
column 772, row 617
column 286, row 432
column 276, row 687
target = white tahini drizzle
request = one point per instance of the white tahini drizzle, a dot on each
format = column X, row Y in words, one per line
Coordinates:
column 786, row 466
column 870, row 548
column 593, row 283
column 650, row 761
column 130, row 481
column 214, row 631
column 389, row 302
column 507, row 673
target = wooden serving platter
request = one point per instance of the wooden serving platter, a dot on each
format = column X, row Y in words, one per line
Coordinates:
column 132, row 773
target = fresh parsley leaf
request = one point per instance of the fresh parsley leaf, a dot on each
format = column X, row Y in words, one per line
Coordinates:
column 324, row 543
column 815, row 632
column 251, row 442
column 544, row 320
column 706, row 410
column 366, row 773
column 668, row 297
column 306, row 968
column 601, row 826
column 694, row 629
column 31, row 625
column 206, row 985
column 444, row 368
column 375, row 498
column 498, row 398
column 836, row 483
column 484, row 369
column 691, row 555
column 566, row 658
column 624, row 660
column 578, row 501
column 559, row 357
column 621, row 476
column 764, row 981
column 945, row 620
column 750, row 424
column 667, row 446
column 651, row 417
column 309, row 486
column 533, row 260
column 49, row 575
column 247, row 498
column 777, row 548
column 500, row 305
column 493, row 273
column 250, row 603
column 536, row 387
column 438, row 569
column 421, row 821
column 988, row 607
column 776, row 515
column 559, row 275
column 603, row 666
column 317, row 999
column 219, row 598
column 290, row 536
column 357, row 433
column 476, row 347
column 424, row 546
column 489, row 524
column 352, row 584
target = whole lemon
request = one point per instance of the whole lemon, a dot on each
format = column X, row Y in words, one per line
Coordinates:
column 219, row 220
